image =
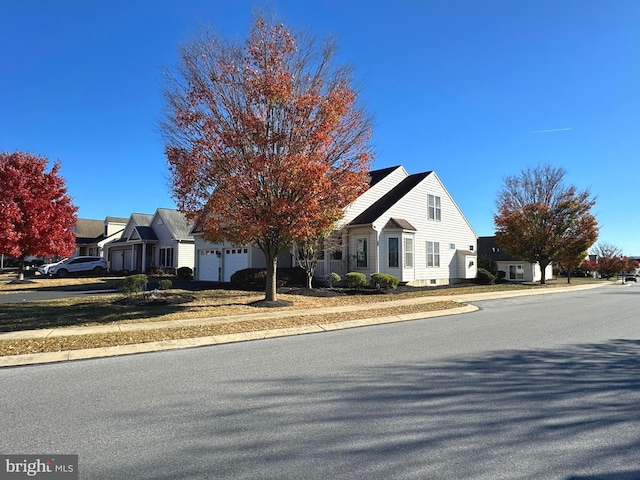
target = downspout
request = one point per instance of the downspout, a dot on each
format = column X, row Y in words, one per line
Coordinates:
column 377, row 262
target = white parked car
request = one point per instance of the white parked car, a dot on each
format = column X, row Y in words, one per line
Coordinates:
column 95, row 265
column 44, row 269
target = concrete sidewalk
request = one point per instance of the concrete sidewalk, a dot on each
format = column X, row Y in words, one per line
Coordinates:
column 38, row 358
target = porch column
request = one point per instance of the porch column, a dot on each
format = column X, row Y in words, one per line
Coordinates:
column 144, row 257
column 133, row 258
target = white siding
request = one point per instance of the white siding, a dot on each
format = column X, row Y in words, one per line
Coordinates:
column 453, row 228
column 186, row 254
column 373, row 194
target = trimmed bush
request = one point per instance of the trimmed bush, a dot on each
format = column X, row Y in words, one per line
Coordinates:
column 356, row 279
column 484, row 277
column 185, row 273
column 252, row 278
column 165, row 284
column 384, row 280
column 249, row 277
column 132, row 284
column 488, row 264
column 333, row 279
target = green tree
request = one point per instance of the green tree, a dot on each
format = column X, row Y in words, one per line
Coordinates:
column 540, row 220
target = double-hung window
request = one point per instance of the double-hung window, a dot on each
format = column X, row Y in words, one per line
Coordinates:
column 433, row 254
column 408, row 253
column 435, row 210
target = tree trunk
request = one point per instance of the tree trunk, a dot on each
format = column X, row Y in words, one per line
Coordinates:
column 568, row 276
column 21, row 269
column 271, row 258
column 543, row 273
column 309, row 279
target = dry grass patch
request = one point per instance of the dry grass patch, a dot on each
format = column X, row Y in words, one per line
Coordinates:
column 77, row 342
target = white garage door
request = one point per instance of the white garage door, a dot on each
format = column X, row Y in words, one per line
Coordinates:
column 209, row 265
column 117, row 259
column 234, row 259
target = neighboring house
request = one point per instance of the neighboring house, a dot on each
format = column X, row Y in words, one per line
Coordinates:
column 93, row 235
column 413, row 230
column 161, row 240
column 515, row 270
column 404, row 225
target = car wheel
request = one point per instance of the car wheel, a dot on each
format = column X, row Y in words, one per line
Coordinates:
column 98, row 270
column 63, row 272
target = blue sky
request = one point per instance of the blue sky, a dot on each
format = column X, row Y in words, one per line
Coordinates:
column 473, row 89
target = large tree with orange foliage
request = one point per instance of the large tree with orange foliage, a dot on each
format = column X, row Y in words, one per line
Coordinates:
column 266, row 142
column 36, row 214
column 540, row 220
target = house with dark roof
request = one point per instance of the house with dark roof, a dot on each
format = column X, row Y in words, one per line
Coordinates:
column 411, row 229
column 404, row 225
column 93, row 235
column 514, row 270
column 150, row 241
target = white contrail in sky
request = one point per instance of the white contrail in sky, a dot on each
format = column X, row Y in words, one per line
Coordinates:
column 552, row 130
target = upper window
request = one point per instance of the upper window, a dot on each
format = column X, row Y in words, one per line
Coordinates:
column 433, row 254
column 408, row 252
column 361, row 252
column 435, row 212
column 393, row 253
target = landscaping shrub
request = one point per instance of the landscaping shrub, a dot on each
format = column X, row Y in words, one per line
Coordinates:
column 165, row 284
column 185, row 273
column 356, row 279
column 488, row 264
column 132, row 284
column 333, row 279
column 484, row 277
column 384, row 280
column 257, row 277
column 249, row 278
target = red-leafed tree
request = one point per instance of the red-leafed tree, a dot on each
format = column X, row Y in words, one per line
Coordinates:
column 36, row 214
column 266, row 142
column 610, row 261
column 540, row 220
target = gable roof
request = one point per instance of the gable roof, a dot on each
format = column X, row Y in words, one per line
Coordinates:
column 488, row 247
column 383, row 204
column 176, row 222
column 377, row 175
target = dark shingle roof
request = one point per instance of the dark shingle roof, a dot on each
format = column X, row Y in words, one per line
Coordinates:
column 146, row 233
column 376, row 175
column 488, row 247
column 376, row 210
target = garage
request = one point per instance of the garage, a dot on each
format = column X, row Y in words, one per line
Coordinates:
column 234, row 259
column 209, row 265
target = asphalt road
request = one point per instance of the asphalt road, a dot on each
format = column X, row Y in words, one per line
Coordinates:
column 541, row 387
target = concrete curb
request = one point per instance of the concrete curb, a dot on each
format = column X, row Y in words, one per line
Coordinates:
column 71, row 355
